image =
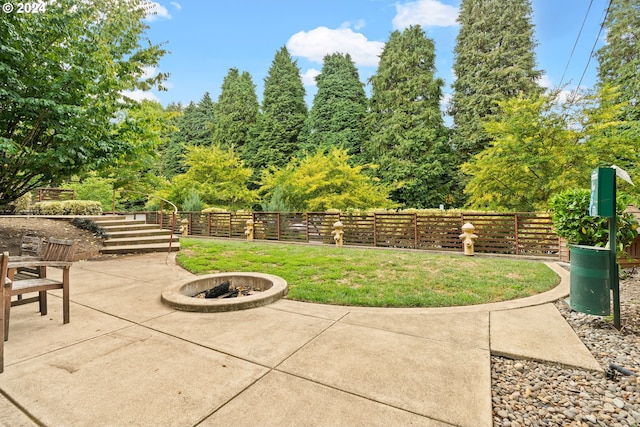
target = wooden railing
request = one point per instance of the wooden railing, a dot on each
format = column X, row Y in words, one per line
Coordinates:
column 503, row 233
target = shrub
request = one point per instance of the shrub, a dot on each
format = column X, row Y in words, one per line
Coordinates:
column 68, row 207
column 571, row 219
column 193, row 202
column 22, row 203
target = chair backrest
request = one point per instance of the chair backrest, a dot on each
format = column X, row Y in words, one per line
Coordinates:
column 31, row 245
column 59, row 250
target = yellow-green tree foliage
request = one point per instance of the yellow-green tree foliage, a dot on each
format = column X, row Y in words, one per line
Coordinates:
column 323, row 181
column 540, row 147
column 217, row 175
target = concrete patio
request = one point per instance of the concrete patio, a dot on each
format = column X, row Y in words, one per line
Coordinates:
column 127, row 359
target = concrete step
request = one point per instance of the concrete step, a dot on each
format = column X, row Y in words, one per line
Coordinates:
column 127, row 241
column 119, row 222
column 142, row 226
column 130, row 249
column 140, row 233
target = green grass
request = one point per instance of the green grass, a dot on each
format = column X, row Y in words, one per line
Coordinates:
column 373, row 277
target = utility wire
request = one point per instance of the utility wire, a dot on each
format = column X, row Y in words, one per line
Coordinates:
column 594, row 47
column 576, row 43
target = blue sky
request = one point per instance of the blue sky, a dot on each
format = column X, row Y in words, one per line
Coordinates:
column 206, row 38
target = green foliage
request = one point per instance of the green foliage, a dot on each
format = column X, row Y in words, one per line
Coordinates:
column 408, row 139
column 218, row 176
column 275, row 138
column 145, row 129
column 339, row 107
column 68, row 207
column 532, row 156
column 193, row 125
column 87, row 224
column 319, row 182
column 494, row 61
column 619, row 58
column 93, row 188
column 571, row 219
column 193, row 202
column 63, row 76
column 22, row 203
column 236, row 112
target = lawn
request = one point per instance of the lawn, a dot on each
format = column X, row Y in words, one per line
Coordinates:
column 373, row 277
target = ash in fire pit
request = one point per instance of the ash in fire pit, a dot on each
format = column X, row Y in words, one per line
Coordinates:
column 227, row 290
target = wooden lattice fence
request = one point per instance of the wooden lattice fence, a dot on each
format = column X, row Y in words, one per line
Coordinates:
column 504, row 233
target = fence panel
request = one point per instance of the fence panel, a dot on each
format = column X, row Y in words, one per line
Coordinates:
column 535, row 235
column 395, row 230
column 359, row 229
column 506, row 233
column 439, row 232
column 496, row 232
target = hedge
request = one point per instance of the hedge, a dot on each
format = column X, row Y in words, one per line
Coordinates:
column 68, row 207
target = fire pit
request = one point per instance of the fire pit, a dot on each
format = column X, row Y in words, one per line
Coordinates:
column 227, row 291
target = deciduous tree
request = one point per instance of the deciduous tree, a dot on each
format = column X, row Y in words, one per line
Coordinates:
column 62, row 78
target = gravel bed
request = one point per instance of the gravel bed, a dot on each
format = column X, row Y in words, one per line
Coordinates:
column 528, row 393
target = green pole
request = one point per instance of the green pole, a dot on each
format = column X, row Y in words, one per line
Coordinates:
column 614, row 278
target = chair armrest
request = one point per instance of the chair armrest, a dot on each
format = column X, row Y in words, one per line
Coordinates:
column 38, row 263
column 21, row 258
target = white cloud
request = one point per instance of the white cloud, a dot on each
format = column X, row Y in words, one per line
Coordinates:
column 155, row 11
column 358, row 25
column 427, row 13
column 309, row 77
column 177, row 5
column 319, row 42
column 148, row 72
column 139, row 95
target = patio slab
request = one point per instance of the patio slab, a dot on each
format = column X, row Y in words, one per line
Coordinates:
column 260, row 335
column 282, row 400
column 539, row 333
column 134, row 376
column 435, row 379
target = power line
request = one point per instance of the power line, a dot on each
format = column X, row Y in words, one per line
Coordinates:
column 576, row 43
column 593, row 48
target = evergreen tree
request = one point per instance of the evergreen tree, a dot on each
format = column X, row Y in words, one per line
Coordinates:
column 408, row 138
column 275, row 138
column 619, row 59
column 494, row 61
column 193, row 128
column 236, row 111
column 337, row 116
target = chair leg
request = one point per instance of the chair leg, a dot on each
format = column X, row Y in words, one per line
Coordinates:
column 2, row 319
column 7, row 312
column 65, row 295
column 42, row 300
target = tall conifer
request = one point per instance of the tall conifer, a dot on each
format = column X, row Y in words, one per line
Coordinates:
column 408, row 138
column 494, row 61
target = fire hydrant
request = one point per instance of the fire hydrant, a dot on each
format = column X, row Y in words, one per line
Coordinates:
column 184, row 228
column 249, row 230
column 468, row 237
column 338, row 232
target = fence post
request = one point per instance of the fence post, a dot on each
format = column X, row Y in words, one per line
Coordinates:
column 278, row 226
column 306, row 223
column 230, row 224
column 375, row 230
column 515, row 218
column 415, row 231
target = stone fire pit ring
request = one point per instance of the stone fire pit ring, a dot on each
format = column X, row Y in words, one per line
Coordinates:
column 180, row 297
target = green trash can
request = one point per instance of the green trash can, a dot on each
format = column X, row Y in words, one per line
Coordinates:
column 589, row 280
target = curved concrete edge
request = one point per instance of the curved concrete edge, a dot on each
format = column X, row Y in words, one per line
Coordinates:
column 560, row 291
column 174, row 298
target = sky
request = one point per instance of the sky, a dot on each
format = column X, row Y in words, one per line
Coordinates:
column 205, row 38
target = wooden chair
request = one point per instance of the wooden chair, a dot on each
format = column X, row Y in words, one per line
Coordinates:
column 4, row 282
column 58, row 254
